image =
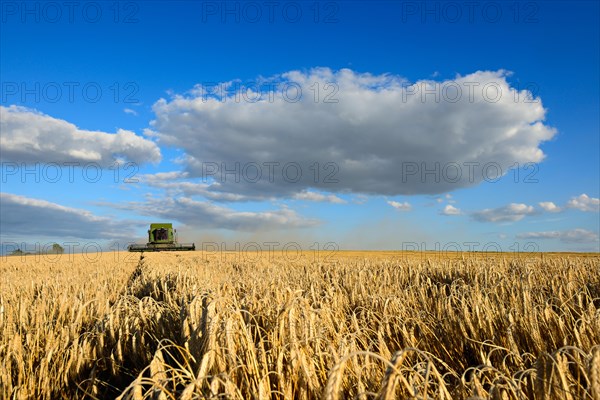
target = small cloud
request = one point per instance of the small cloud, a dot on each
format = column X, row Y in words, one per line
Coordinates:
column 571, row 236
column 164, row 176
column 550, row 206
column 450, row 210
column 579, row 236
column 584, row 203
column 446, row 198
column 510, row 213
column 360, row 199
column 539, row 235
column 315, row 196
column 400, row 206
column 130, row 111
column 502, row 236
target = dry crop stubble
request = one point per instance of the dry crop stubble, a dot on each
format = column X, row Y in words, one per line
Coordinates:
column 356, row 325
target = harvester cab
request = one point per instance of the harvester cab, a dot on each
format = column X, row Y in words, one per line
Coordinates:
column 162, row 237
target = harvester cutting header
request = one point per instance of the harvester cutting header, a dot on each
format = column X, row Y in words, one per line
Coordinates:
column 162, row 237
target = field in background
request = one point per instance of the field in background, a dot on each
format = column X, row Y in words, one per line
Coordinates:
column 307, row 325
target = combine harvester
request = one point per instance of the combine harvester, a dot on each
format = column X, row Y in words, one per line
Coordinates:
column 162, row 237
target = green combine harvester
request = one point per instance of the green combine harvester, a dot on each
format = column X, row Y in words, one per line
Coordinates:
column 162, row 237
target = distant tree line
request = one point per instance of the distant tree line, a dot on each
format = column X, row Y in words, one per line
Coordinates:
column 56, row 249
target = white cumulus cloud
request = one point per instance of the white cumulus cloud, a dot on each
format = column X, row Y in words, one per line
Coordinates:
column 550, row 206
column 450, row 210
column 584, row 203
column 400, row 206
column 29, row 136
column 370, row 134
column 509, row 213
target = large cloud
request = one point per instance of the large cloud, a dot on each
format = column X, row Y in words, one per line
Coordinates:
column 29, row 137
column 382, row 135
column 30, row 219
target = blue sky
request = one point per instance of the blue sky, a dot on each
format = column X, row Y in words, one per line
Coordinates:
column 104, row 82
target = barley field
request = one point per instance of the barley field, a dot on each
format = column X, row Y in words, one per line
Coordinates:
column 349, row 325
